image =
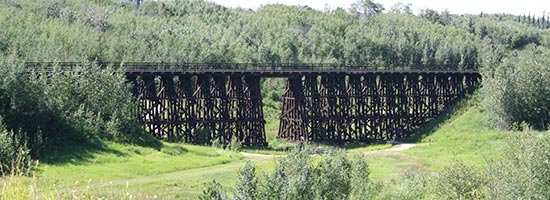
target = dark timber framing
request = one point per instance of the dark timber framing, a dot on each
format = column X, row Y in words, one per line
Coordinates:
column 370, row 106
column 201, row 108
column 199, row 103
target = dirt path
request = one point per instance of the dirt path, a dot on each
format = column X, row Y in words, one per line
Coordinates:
column 255, row 155
column 398, row 148
column 395, row 148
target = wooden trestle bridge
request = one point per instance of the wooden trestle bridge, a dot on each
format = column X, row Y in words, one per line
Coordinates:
column 193, row 102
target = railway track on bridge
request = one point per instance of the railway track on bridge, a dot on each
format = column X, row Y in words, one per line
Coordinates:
column 262, row 69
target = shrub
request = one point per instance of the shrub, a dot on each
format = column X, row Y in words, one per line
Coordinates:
column 217, row 144
column 22, row 107
column 460, row 181
column 235, row 145
column 332, row 180
column 14, row 154
column 297, row 177
column 213, row 191
column 517, row 90
column 360, row 184
column 202, row 136
column 525, row 173
column 88, row 104
column 293, row 177
column 247, row 186
column 409, row 186
column 279, row 145
column 93, row 100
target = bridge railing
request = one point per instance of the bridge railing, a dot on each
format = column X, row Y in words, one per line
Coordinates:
column 152, row 66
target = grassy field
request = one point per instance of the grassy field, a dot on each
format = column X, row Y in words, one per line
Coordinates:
column 181, row 171
column 135, row 170
column 462, row 137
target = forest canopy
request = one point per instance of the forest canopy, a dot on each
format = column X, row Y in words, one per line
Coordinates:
column 197, row 31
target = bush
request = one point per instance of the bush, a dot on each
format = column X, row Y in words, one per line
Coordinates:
column 217, row 143
column 22, row 107
column 409, row 186
column 525, row 173
column 202, row 136
column 332, row 180
column 235, row 145
column 517, row 89
column 94, row 99
column 14, row 154
column 214, row 191
column 292, row 178
column 460, row 181
column 279, row 144
column 248, row 184
column 297, row 177
column 360, row 185
column 88, row 104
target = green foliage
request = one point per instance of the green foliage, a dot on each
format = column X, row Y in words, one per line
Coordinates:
column 92, row 98
column 14, row 155
column 498, row 30
column 408, row 186
column 84, row 106
column 525, row 173
column 89, row 104
column 213, row 191
column 247, row 185
column 332, row 177
column 272, row 91
column 517, row 90
column 235, row 145
column 360, row 185
column 91, row 101
column 199, row 31
column 280, row 145
column 521, row 173
column 217, row 143
column 460, row 181
column 298, row 176
column 292, row 178
column 21, row 107
column 202, row 136
column 368, row 7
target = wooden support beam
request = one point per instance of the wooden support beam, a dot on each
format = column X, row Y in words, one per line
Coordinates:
column 333, row 107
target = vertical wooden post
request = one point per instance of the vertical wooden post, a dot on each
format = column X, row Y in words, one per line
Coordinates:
column 186, row 109
column 254, row 120
column 292, row 117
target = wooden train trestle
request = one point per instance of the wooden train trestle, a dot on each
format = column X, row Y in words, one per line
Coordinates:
column 202, row 102
column 386, row 106
column 201, row 108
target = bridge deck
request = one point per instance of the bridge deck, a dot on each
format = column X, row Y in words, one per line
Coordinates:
column 258, row 69
column 289, row 72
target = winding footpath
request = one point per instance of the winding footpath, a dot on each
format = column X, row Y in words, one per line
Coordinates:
column 395, row 148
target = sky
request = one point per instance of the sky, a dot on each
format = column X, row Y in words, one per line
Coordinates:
column 536, row 7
